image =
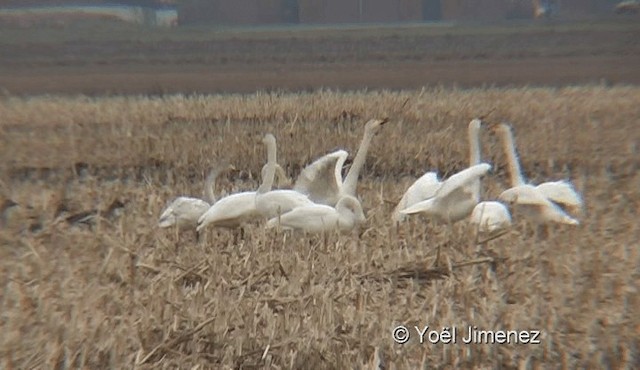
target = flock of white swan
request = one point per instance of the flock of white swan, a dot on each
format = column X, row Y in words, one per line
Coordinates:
column 321, row 200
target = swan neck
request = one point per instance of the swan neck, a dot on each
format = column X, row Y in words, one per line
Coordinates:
column 210, row 186
column 474, row 146
column 475, row 157
column 351, row 180
column 515, row 173
column 272, row 160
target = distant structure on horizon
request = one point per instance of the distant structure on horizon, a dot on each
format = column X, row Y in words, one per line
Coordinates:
column 149, row 13
column 169, row 13
column 256, row 12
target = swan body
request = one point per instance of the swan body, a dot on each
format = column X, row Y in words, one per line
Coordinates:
column 455, row 199
column 557, row 193
column 231, row 211
column 323, row 184
column 319, row 218
column 277, row 202
column 534, row 206
column 423, row 188
column 490, row 217
column 184, row 212
column 271, row 203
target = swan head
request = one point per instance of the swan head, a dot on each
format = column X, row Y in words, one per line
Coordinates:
column 475, row 124
column 374, row 125
column 269, row 139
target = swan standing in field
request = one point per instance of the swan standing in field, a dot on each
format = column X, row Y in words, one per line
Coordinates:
column 184, row 212
column 489, row 215
column 271, row 203
column 540, row 204
column 453, row 201
column 427, row 185
column 322, row 181
column 319, row 218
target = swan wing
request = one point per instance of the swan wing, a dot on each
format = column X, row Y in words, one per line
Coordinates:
column 462, row 180
column 423, row 188
column 183, row 210
column 321, row 180
column 561, row 192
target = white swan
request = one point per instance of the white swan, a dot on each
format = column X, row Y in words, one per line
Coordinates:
column 322, row 182
column 184, row 212
column 237, row 209
column 427, row 186
column 455, row 198
column 536, row 202
column 271, row 203
column 319, row 218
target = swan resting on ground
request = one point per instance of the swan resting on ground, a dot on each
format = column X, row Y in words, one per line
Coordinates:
column 540, row 204
column 490, row 217
column 184, row 212
column 322, row 182
column 271, row 203
column 319, row 218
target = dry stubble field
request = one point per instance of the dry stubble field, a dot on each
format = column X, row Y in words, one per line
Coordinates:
column 119, row 293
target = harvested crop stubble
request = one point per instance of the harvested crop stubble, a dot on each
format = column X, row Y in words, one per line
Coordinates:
column 115, row 291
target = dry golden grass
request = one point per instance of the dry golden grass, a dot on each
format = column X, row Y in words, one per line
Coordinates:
column 120, row 293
